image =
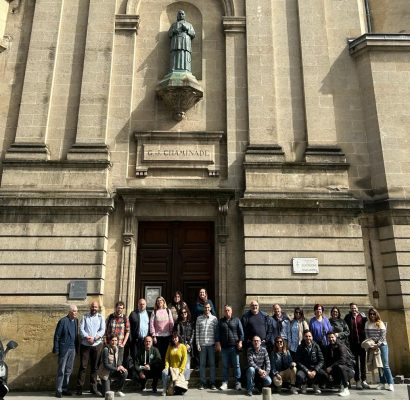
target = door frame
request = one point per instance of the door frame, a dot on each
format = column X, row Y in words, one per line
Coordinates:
column 168, row 205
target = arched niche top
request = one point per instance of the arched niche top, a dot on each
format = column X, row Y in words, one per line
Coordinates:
column 134, row 5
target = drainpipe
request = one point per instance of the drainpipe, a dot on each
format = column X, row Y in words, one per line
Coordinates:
column 368, row 16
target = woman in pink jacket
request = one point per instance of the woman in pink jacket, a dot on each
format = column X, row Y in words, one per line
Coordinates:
column 161, row 324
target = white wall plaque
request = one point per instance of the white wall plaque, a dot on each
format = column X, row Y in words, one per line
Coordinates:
column 305, row 265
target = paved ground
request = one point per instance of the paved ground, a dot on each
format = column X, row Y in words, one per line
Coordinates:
column 400, row 393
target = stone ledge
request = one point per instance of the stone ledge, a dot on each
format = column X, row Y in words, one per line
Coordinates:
column 127, row 23
column 380, row 42
column 234, row 24
column 66, row 164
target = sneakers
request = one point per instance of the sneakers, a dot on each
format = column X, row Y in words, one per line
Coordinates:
column 293, row 390
column 345, row 392
column 249, row 393
column 359, row 385
column 224, row 386
column 380, row 386
column 120, row 394
column 213, row 387
column 238, row 386
column 365, row 385
column 316, row 389
column 164, row 393
column 390, row 387
column 303, row 389
column 59, row 395
column 201, row 387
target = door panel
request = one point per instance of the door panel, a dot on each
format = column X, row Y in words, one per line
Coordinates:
column 175, row 256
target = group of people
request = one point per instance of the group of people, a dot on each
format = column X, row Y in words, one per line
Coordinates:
column 263, row 350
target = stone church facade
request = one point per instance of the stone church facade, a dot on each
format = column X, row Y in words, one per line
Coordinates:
column 295, row 151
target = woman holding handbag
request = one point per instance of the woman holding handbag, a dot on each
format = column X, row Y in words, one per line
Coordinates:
column 175, row 362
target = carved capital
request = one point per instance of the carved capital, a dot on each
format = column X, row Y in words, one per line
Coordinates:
column 128, row 220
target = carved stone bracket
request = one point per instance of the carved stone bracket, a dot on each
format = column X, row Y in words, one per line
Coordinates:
column 129, row 212
column 14, row 5
column 222, row 231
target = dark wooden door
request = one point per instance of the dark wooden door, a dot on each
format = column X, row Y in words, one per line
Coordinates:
column 175, row 256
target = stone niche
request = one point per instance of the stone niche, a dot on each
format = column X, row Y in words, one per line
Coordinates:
column 176, row 151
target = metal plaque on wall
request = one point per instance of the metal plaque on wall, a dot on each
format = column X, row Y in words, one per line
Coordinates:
column 305, row 265
column 78, row 290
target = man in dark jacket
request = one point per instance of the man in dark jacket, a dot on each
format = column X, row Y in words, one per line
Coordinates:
column 257, row 323
column 356, row 321
column 339, row 366
column 139, row 327
column 229, row 337
column 280, row 323
column 309, row 363
column 148, row 364
column 66, row 342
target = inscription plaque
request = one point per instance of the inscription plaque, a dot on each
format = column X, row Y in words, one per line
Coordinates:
column 177, row 152
column 305, row 265
column 78, row 290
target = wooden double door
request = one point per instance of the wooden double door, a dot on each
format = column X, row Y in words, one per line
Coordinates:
column 175, row 255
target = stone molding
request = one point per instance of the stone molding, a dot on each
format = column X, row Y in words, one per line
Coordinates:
column 380, row 42
column 89, row 152
column 28, row 151
column 263, row 153
column 234, row 24
column 127, row 23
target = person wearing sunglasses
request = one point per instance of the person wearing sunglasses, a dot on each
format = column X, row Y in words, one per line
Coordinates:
column 297, row 326
column 375, row 329
column 283, row 368
column 185, row 329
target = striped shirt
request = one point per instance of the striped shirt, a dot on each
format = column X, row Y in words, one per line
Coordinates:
column 205, row 330
column 377, row 333
column 259, row 359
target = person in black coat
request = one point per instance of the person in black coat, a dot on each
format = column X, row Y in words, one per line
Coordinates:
column 339, row 365
column 66, row 344
column 309, row 363
column 228, row 339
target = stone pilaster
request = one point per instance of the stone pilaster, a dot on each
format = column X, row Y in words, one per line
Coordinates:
column 30, row 141
column 319, row 107
column 127, row 279
column 222, row 233
column 91, row 140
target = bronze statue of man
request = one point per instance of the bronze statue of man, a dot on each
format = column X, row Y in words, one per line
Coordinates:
column 181, row 33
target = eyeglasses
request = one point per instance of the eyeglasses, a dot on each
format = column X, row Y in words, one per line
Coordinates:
column 372, row 313
column 256, row 340
column 278, row 341
column 184, row 312
column 298, row 312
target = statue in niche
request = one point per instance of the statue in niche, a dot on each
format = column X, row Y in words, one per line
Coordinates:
column 181, row 33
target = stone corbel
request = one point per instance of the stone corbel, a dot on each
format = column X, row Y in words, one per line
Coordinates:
column 234, row 24
column 128, row 234
column 14, row 5
column 222, row 223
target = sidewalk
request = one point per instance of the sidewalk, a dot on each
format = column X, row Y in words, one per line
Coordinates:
column 400, row 393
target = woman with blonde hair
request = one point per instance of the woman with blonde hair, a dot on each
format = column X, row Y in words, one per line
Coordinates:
column 161, row 324
column 375, row 330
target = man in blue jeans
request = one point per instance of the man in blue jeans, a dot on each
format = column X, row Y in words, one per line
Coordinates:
column 258, row 370
column 229, row 338
column 205, row 332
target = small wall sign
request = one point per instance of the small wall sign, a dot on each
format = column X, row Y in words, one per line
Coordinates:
column 305, row 265
column 78, row 290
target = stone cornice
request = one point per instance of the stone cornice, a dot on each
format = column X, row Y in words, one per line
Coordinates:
column 380, row 42
column 234, row 24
